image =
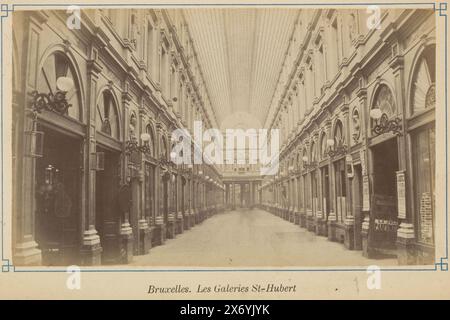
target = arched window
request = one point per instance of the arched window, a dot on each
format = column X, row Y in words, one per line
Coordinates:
column 57, row 65
column 384, row 100
column 151, row 141
column 323, row 146
column 313, row 152
column 423, row 95
column 107, row 120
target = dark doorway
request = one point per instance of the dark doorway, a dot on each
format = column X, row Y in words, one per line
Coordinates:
column 383, row 218
column 58, row 180
column 107, row 213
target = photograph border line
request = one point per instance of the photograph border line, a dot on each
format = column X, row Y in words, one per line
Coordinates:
column 440, row 265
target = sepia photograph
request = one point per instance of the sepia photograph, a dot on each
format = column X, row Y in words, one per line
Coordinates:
column 224, row 137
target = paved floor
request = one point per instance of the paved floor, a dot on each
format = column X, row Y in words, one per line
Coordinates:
column 250, row 238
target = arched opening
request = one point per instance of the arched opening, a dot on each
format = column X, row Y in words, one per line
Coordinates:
column 385, row 163
column 56, row 66
column 107, row 119
column 340, row 176
column 423, row 140
column 107, row 181
column 383, row 109
column 58, row 171
column 423, row 88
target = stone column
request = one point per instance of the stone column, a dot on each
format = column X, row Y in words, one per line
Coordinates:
column 349, row 238
column 172, row 199
column 227, row 195
column 144, row 232
column 126, row 232
column 234, row 196
column 406, row 251
column 364, row 156
column 159, row 236
column 321, row 223
column 297, row 199
column 91, row 249
column 25, row 251
column 192, row 199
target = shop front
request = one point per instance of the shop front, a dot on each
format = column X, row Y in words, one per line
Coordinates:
column 53, row 164
column 384, row 223
column 109, row 211
column 337, row 149
column 421, row 130
column 384, row 167
column 324, row 200
column 58, row 187
column 146, row 223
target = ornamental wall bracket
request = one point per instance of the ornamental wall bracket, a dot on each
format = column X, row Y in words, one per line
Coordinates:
column 310, row 165
column 132, row 146
column 339, row 150
column 54, row 102
column 386, row 125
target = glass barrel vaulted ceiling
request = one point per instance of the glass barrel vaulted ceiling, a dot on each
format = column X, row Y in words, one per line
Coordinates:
column 241, row 52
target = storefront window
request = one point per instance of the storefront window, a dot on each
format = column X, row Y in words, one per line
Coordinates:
column 424, row 170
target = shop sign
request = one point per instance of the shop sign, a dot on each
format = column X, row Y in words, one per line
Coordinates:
column 401, row 194
column 366, row 193
column 426, row 218
column 384, row 223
